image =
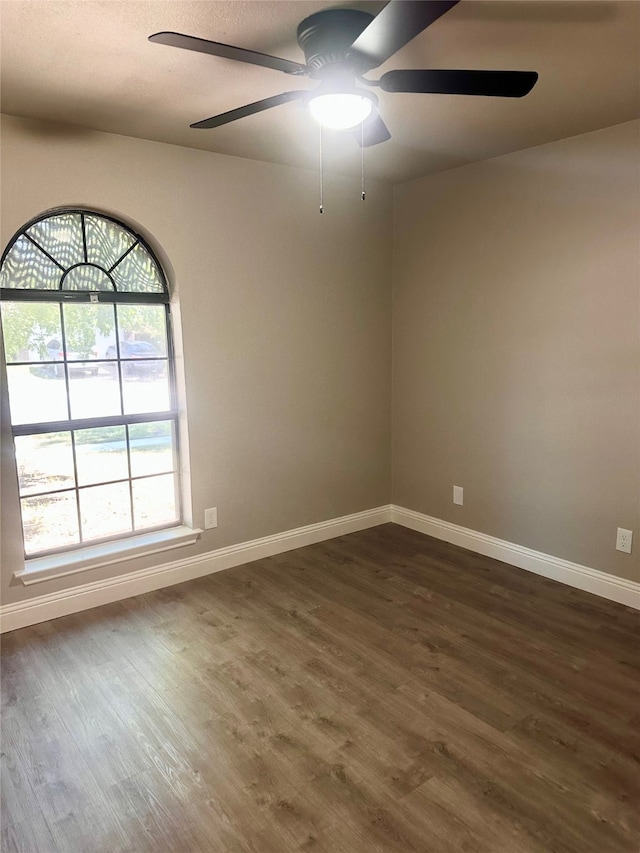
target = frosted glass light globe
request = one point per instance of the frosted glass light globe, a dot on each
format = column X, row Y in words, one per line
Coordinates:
column 340, row 111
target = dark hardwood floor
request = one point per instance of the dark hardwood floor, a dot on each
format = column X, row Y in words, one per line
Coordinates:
column 379, row 692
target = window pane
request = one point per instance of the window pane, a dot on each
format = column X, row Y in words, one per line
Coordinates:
column 101, row 455
column 154, row 501
column 61, row 236
column 137, row 273
column 45, row 462
column 27, row 268
column 92, row 392
column 49, row 521
column 151, row 448
column 31, row 331
column 105, row 511
column 36, row 394
column 89, row 330
column 87, row 277
column 106, row 241
column 145, row 386
column 142, row 327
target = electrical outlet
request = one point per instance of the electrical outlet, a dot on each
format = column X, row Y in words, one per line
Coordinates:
column 623, row 540
column 211, row 517
column 458, row 495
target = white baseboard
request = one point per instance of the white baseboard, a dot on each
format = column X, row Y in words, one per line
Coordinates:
column 87, row 595
column 573, row 574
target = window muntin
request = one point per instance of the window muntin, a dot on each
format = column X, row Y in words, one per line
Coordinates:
column 85, row 317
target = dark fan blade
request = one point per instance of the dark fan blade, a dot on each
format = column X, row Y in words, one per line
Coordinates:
column 500, row 84
column 398, row 23
column 374, row 132
column 248, row 110
column 227, row 51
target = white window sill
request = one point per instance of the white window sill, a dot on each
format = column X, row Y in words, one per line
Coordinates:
column 105, row 554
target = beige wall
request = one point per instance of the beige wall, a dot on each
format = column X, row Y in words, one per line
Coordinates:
column 285, row 320
column 516, row 347
column 515, row 335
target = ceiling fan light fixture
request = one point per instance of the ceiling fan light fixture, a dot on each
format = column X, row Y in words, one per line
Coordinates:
column 341, row 110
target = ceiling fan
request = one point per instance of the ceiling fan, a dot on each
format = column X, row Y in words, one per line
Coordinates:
column 340, row 46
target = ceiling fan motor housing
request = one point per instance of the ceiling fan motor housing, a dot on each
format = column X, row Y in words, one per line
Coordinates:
column 326, row 37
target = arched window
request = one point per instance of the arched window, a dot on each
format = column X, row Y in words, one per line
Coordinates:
column 87, row 338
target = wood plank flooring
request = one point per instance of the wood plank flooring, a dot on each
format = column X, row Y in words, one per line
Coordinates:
column 379, row 692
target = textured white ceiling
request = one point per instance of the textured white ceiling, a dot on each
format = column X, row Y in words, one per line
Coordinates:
column 89, row 64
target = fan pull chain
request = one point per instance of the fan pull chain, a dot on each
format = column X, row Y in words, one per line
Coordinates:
column 321, row 176
column 362, row 193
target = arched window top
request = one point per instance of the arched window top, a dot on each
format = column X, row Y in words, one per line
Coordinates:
column 79, row 250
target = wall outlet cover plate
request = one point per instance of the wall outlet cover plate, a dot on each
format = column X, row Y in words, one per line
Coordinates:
column 624, row 540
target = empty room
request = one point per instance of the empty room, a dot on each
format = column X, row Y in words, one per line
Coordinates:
column 320, row 420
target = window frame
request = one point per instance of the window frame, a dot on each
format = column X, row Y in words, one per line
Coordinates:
column 171, row 533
